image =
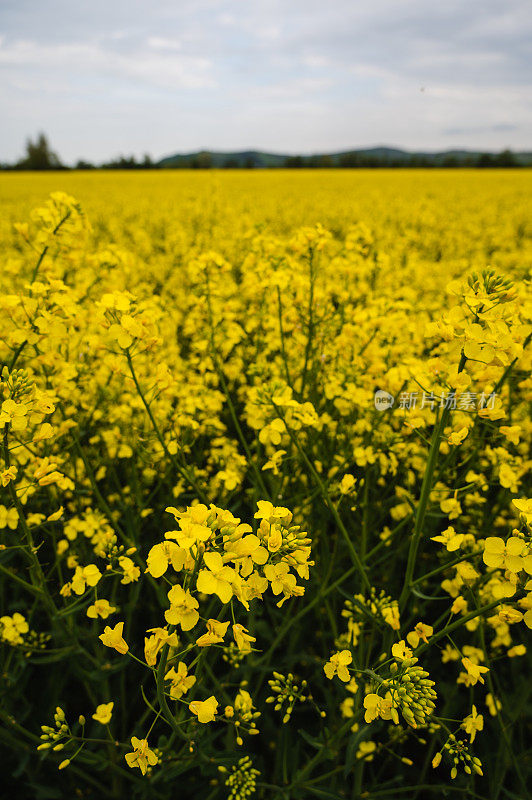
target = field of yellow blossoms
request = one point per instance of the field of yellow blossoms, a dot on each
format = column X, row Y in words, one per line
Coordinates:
column 265, row 513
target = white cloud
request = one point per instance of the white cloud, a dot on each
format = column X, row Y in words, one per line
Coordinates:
column 160, row 65
column 162, row 43
column 315, row 61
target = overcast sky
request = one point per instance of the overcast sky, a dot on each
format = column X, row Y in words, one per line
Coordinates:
column 161, row 76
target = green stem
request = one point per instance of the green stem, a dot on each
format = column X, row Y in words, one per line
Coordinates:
column 161, row 697
column 357, row 563
column 37, row 577
column 184, row 473
column 426, row 488
column 457, row 624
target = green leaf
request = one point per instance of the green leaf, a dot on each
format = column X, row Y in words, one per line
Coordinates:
column 310, row 739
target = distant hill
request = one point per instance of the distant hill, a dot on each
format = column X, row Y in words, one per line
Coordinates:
column 245, row 158
column 371, row 157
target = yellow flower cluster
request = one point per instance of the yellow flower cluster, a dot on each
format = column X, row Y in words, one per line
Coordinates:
column 13, row 629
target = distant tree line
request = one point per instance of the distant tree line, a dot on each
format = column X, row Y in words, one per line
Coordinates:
column 368, row 161
column 39, row 156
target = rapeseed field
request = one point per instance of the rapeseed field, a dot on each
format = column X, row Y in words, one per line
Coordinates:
column 265, row 507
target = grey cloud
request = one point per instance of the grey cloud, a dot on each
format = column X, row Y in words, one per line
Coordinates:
column 302, row 75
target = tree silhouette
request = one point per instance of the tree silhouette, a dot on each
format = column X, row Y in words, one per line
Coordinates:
column 39, row 156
